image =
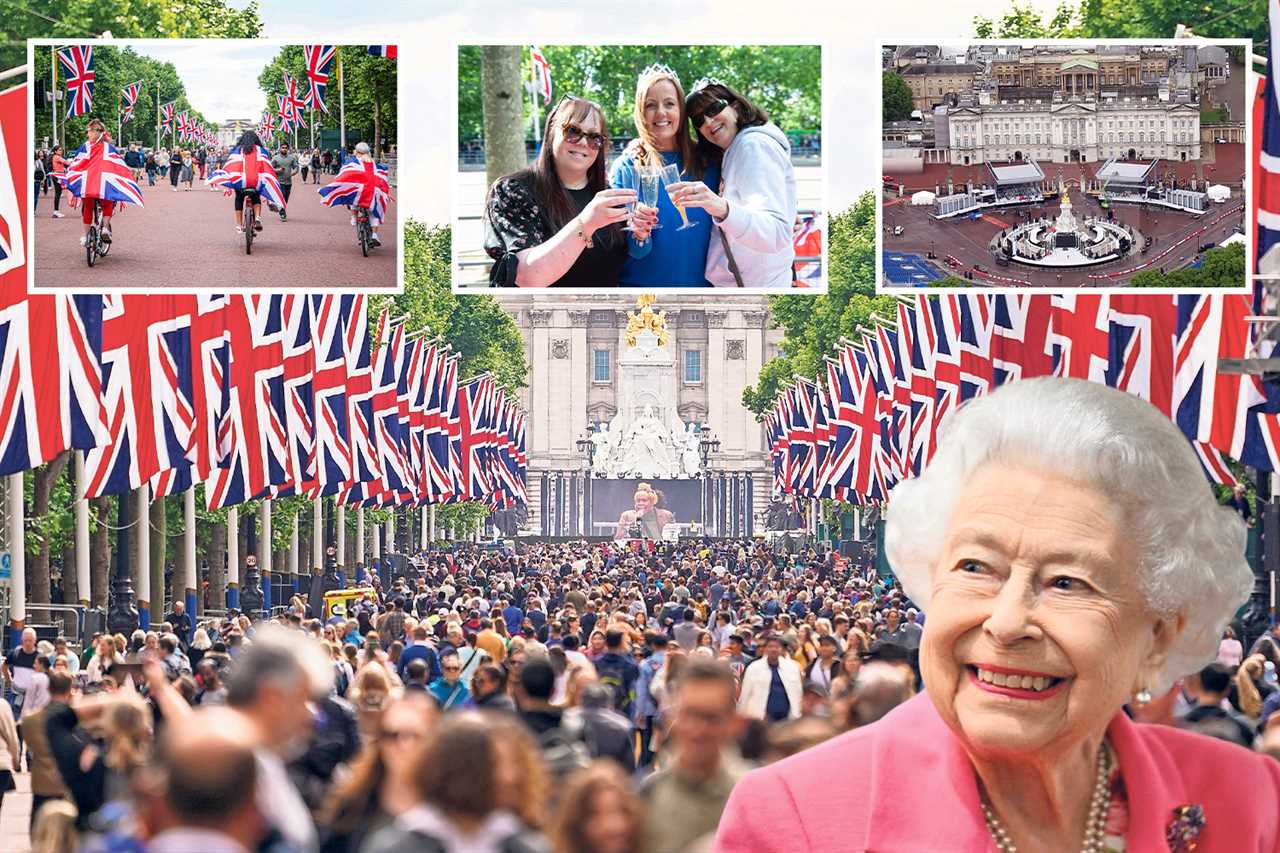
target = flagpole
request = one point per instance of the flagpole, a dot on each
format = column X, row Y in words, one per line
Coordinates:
column 233, row 558
column 342, row 107
column 17, row 555
column 157, row 115
column 142, row 500
column 190, row 577
column 53, row 91
column 340, row 511
column 82, row 531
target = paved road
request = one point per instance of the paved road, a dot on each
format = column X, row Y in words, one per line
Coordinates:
column 15, row 815
column 188, row 239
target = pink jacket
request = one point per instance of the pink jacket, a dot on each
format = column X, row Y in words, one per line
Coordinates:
column 905, row 785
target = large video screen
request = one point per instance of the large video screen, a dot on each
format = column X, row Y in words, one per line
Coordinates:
column 615, row 506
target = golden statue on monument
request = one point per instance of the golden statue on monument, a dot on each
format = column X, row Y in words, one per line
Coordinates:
column 646, row 319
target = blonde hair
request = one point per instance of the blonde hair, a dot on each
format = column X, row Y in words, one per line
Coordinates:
column 1246, row 690
column 646, row 489
column 54, row 830
column 644, row 150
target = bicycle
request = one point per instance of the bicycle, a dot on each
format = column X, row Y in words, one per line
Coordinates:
column 364, row 232
column 250, row 220
column 94, row 247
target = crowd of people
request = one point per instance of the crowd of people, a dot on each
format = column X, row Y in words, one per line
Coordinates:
column 567, row 696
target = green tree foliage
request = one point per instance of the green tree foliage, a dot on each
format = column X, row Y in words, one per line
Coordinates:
column 1222, row 267
column 369, row 86
column 1130, row 19
column 114, row 69
column 896, row 96
column 85, row 19
column 813, row 325
column 785, row 80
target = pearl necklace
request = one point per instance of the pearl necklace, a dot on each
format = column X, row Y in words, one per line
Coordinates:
column 1095, row 825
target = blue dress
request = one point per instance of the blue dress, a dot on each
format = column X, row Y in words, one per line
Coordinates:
column 669, row 258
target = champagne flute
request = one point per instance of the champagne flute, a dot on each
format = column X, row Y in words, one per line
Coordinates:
column 633, row 178
column 671, row 175
column 650, row 185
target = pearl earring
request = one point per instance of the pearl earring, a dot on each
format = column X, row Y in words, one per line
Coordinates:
column 1143, row 696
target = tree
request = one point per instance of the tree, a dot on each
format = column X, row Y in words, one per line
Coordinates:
column 503, row 101
column 897, row 96
column 83, row 19
column 1130, row 19
column 1025, row 22
column 1220, row 267
column 114, row 69
column 813, row 325
column 784, row 80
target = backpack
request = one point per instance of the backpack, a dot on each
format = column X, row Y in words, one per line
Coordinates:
column 564, row 751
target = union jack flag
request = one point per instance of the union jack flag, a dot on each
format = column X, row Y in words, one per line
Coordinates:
column 387, row 51
column 285, row 113
column 808, row 244
column 184, row 126
column 252, row 170
column 360, row 183
column 267, row 127
column 129, row 97
column 331, row 322
column 366, row 466
column 386, row 406
column 293, row 102
column 166, row 118
column 52, row 341
column 97, row 170
column 470, row 405
column 541, row 73
column 146, row 391
column 442, row 484
column 1267, row 142
column 319, row 59
column 298, row 363
column 253, row 451
column 77, row 62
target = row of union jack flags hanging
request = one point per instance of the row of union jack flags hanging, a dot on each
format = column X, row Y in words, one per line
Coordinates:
column 255, row 396
column 872, row 418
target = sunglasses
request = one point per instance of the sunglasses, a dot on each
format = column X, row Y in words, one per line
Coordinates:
column 710, row 112
column 452, row 669
column 399, row 736
column 575, row 135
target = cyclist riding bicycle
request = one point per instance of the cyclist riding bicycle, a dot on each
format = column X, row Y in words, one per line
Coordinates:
column 360, row 183
column 248, row 175
column 97, row 174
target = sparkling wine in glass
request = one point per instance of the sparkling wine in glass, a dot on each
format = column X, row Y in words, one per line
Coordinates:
column 650, row 186
column 670, row 176
column 633, row 178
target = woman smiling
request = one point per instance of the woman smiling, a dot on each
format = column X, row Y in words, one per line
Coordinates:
column 556, row 223
column 755, row 210
column 1072, row 560
column 671, row 257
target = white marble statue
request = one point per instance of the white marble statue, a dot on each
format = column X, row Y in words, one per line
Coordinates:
column 604, row 444
column 690, row 454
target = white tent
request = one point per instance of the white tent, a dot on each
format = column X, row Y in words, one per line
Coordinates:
column 923, row 197
column 1218, row 193
column 1233, row 239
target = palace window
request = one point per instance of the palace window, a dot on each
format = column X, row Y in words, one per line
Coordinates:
column 600, row 365
column 692, row 366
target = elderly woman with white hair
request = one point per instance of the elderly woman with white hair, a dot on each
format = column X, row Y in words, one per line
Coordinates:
column 1072, row 560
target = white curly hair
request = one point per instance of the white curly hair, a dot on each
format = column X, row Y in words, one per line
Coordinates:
column 1191, row 550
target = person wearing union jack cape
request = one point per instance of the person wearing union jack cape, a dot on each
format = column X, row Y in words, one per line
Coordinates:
column 248, row 175
column 97, row 174
column 360, row 183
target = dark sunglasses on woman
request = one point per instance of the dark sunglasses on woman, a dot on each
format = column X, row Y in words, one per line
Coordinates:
column 574, row 135
column 710, row 112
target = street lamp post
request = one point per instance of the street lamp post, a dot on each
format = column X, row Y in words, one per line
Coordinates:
column 122, row 616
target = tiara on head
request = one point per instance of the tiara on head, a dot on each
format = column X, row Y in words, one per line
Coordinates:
column 704, row 82
column 658, row 69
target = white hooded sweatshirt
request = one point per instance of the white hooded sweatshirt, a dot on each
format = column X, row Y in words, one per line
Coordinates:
column 759, row 184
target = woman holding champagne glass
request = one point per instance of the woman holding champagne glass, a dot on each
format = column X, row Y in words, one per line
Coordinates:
column 557, row 223
column 755, row 210
column 676, row 254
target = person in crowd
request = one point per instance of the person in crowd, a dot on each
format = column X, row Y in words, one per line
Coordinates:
column 481, row 788
column 40, row 175
column 558, row 223
column 537, row 682
column 149, row 165
column 199, row 791
column 10, row 751
column 285, row 164
column 57, row 171
column 46, row 781
column 607, row 733
column 1209, row 688
column 304, row 163
column 449, row 689
column 685, row 799
column 489, row 689
column 1230, row 650
column 598, row 813
column 755, row 211
column 671, row 256
column 176, row 161
column 771, row 685
column 272, row 686
column 1072, row 560
column 380, row 786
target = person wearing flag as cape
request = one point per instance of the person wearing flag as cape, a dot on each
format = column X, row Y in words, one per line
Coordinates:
column 248, row 175
column 97, row 173
column 360, row 183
